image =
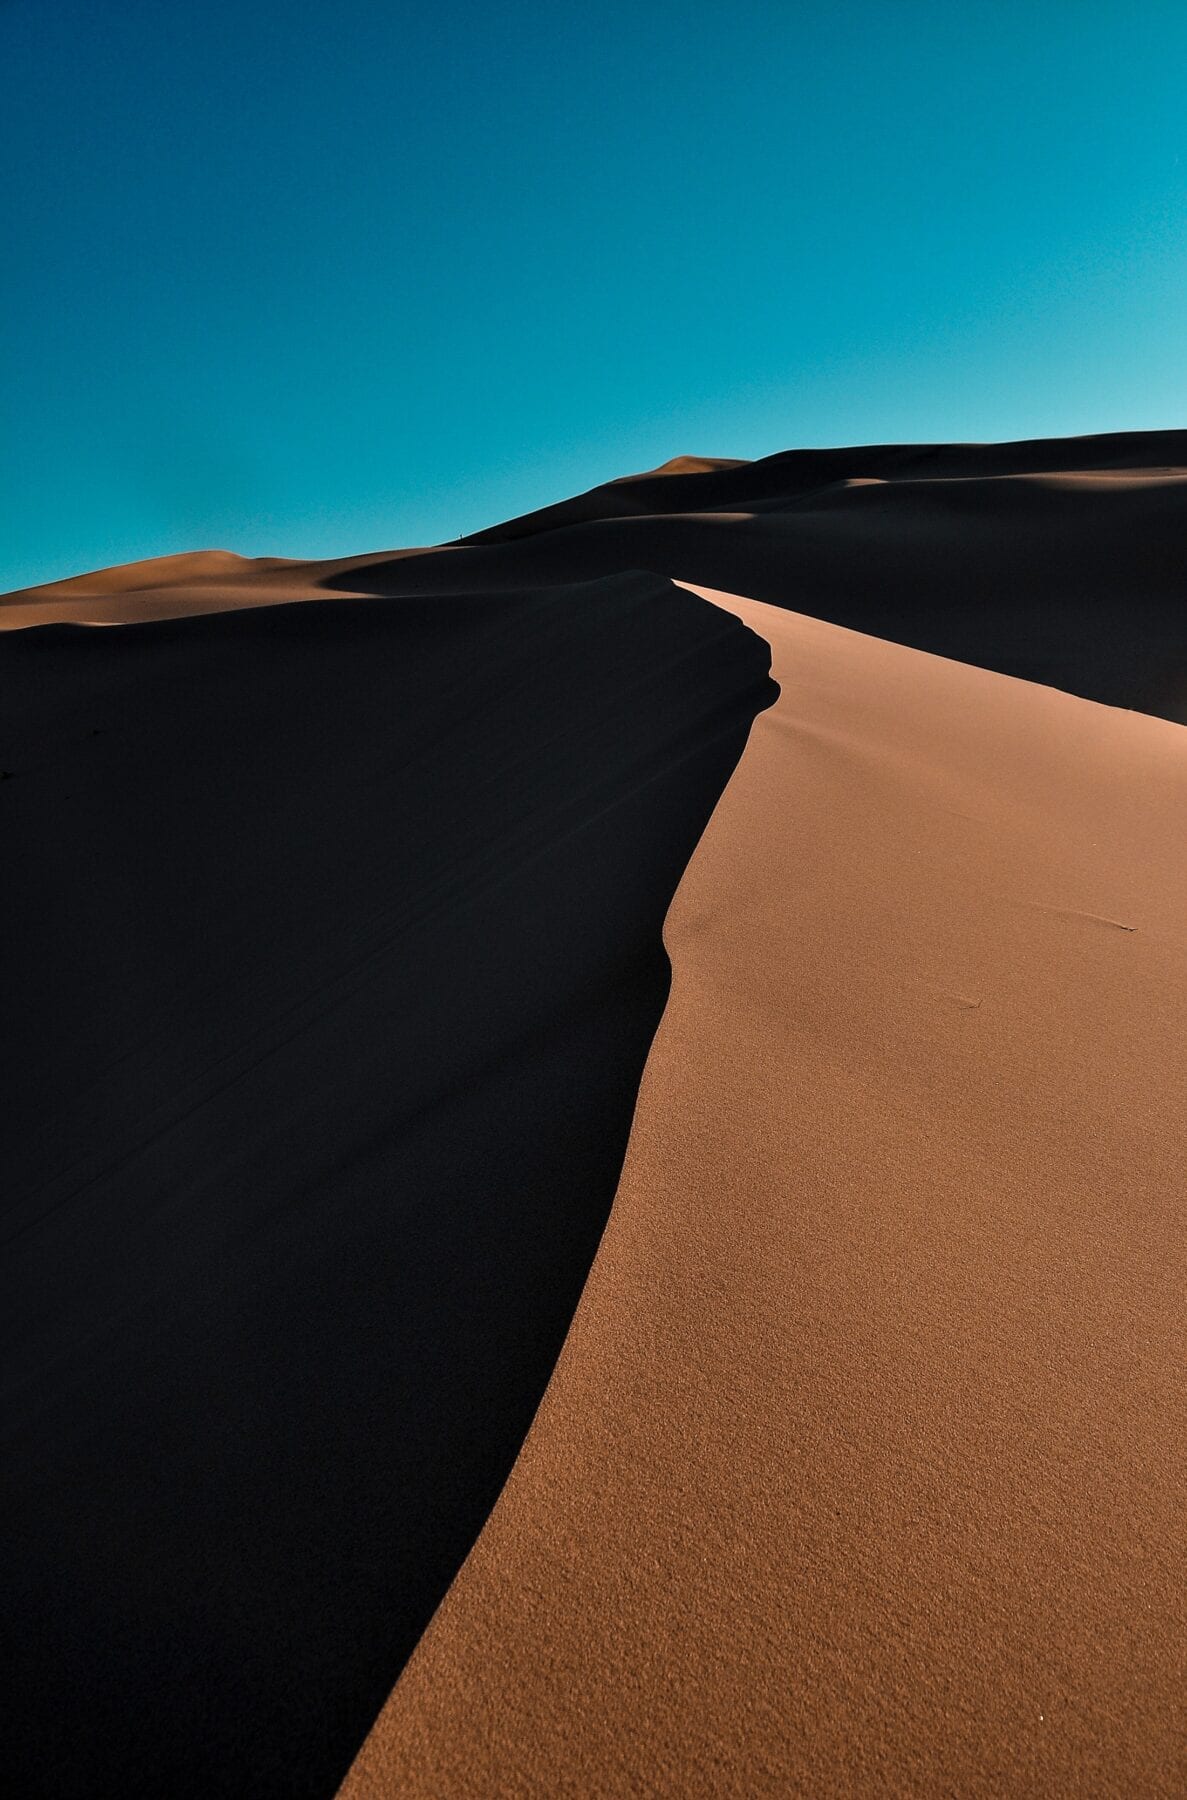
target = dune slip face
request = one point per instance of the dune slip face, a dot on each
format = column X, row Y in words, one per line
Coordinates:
column 862, row 1468
column 332, row 944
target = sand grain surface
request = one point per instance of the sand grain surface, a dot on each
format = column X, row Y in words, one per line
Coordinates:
column 862, row 1468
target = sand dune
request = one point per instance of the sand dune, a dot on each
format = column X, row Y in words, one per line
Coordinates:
column 333, row 897
column 862, row 1468
column 1059, row 560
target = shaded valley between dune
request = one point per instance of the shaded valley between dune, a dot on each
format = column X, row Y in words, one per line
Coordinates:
column 332, row 942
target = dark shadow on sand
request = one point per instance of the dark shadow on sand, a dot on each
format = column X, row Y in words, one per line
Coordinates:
column 332, row 954
column 954, row 549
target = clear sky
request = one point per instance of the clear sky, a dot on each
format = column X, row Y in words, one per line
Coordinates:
column 314, row 280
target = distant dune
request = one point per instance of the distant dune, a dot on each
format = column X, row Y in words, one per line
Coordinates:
column 1060, row 561
column 336, row 980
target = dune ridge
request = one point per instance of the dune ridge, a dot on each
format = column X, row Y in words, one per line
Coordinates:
column 1058, row 560
column 861, row 1470
column 334, row 943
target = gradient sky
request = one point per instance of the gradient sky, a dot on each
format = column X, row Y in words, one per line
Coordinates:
column 314, row 280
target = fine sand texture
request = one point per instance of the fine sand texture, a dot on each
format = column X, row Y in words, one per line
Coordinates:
column 331, row 958
column 862, row 1470
column 1060, row 560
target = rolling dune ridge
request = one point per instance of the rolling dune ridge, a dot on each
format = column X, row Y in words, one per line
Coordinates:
column 1060, row 561
column 832, row 1443
column 862, row 1469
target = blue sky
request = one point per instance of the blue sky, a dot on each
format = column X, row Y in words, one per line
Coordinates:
column 318, row 280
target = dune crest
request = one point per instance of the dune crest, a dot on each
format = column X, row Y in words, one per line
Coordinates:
column 335, row 893
column 861, row 1470
column 1058, row 560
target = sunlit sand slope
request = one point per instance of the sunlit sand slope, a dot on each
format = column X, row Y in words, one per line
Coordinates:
column 862, row 1468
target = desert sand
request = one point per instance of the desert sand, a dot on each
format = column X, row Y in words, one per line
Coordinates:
column 862, row 1469
column 335, row 945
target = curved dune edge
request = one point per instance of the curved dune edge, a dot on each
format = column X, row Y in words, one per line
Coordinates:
column 858, row 1472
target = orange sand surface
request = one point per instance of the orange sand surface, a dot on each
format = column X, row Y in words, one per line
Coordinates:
column 862, row 1468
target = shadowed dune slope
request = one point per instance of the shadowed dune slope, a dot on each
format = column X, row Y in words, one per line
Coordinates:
column 724, row 486
column 862, row 1468
column 1060, row 560
column 332, row 957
